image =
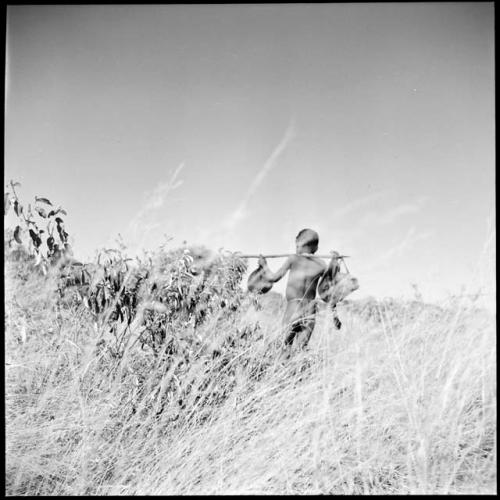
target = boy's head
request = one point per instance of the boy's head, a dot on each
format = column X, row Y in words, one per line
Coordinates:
column 307, row 241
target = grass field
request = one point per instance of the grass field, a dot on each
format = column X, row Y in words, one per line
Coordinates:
column 401, row 400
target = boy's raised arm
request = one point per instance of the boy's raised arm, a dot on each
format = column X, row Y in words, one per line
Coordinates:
column 273, row 277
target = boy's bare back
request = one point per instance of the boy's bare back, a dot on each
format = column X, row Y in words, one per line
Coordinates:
column 304, row 274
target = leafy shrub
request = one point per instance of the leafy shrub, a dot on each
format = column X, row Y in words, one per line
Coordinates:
column 40, row 228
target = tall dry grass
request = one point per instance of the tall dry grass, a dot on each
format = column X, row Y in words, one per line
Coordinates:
column 401, row 400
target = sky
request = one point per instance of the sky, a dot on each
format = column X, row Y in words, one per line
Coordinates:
column 235, row 126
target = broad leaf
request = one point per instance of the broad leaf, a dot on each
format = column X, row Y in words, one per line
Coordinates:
column 50, row 243
column 58, row 211
column 17, row 232
column 62, row 233
column 41, row 212
column 43, row 200
column 37, row 241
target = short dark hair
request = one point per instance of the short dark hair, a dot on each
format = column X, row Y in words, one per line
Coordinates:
column 310, row 237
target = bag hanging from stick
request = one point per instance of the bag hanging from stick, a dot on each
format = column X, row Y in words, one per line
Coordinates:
column 257, row 282
column 342, row 286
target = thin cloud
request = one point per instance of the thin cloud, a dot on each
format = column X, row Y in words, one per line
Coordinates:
column 390, row 216
column 215, row 236
column 141, row 222
column 412, row 236
column 397, row 250
column 241, row 210
column 359, row 203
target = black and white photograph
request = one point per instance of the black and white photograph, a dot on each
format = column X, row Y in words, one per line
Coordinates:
column 250, row 249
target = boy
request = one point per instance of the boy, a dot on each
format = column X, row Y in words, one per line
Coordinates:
column 306, row 271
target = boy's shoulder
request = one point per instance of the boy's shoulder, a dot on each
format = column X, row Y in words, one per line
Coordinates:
column 307, row 259
column 320, row 262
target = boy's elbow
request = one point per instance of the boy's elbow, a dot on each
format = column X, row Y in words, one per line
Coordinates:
column 276, row 277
